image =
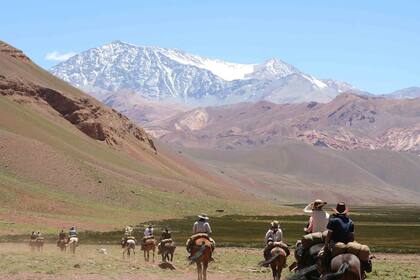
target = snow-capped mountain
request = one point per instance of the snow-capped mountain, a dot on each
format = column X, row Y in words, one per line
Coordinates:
column 170, row 74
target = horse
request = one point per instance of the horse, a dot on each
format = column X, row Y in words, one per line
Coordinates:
column 62, row 244
column 128, row 246
column 147, row 246
column 36, row 244
column 307, row 265
column 344, row 267
column 73, row 243
column 167, row 250
column 277, row 261
column 201, row 254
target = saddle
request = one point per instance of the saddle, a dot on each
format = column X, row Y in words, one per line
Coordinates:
column 200, row 235
column 165, row 241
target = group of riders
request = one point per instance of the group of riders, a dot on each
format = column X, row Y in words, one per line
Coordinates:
column 333, row 234
column 329, row 232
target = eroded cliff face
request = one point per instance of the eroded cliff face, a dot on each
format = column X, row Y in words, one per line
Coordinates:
column 99, row 123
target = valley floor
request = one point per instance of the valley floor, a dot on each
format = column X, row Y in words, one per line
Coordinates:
column 17, row 262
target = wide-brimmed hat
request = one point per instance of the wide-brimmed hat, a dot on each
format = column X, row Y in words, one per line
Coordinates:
column 318, row 204
column 275, row 224
column 341, row 208
column 203, row 216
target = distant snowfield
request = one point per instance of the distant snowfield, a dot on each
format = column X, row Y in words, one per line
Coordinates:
column 228, row 71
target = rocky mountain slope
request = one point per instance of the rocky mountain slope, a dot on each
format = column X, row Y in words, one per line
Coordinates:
column 348, row 122
column 169, row 74
column 66, row 159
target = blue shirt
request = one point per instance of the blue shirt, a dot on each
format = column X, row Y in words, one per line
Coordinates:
column 342, row 227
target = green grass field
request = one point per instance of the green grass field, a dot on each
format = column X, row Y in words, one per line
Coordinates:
column 395, row 229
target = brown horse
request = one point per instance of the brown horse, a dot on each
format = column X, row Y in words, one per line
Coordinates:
column 277, row 261
column 62, row 244
column 201, row 254
column 167, row 251
column 344, row 267
column 147, row 246
column 36, row 244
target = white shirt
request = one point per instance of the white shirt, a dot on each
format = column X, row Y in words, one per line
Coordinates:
column 319, row 219
column 148, row 232
column 275, row 236
column 201, row 227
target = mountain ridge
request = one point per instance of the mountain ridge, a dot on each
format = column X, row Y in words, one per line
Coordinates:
column 170, row 74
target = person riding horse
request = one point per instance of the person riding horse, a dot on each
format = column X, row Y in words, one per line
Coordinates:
column 73, row 232
column 319, row 217
column 148, row 232
column 166, row 234
column 201, row 226
column 340, row 229
column 274, row 237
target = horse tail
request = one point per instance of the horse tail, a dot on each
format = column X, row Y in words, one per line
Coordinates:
column 337, row 275
column 301, row 274
column 198, row 254
column 270, row 260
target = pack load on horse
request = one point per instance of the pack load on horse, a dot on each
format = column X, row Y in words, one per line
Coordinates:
column 73, row 239
column 128, row 241
column 166, row 246
column 148, row 242
column 275, row 251
column 201, row 246
column 341, row 255
column 62, row 240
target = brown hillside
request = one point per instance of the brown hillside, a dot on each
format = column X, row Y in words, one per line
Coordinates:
column 68, row 159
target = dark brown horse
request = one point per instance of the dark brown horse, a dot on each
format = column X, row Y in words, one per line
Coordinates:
column 167, row 250
column 147, row 246
column 62, row 244
column 277, row 262
column 201, row 254
column 344, row 267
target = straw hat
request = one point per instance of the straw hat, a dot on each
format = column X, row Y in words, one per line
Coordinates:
column 341, row 208
column 275, row 224
column 203, row 216
column 318, row 204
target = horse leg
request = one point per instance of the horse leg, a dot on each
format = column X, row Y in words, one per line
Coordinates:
column 199, row 275
column 154, row 254
column 205, row 265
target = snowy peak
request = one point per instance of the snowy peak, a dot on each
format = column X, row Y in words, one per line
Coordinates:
column 273, row 68
column 156, row 73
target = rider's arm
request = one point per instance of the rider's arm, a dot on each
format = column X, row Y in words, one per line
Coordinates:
column 310, row 225
column 194, row 228
column 308, row 208
column 267, row 235
column 328, row 239
column 351, row 234
column 208, row 228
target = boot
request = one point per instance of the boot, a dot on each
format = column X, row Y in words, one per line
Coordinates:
column 367, row 266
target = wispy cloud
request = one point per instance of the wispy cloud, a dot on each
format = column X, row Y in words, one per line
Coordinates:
column 56, row 56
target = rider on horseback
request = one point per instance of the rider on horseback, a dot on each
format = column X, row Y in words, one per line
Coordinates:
column 201, row 226
column 73, row 232
column 166, row 234
column 319, row 217
column 340, row 229
column 274, row 237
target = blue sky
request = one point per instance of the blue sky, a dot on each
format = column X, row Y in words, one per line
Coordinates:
column 374, row 45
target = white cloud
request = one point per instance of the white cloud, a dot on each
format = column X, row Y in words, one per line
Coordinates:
column 56, row 56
